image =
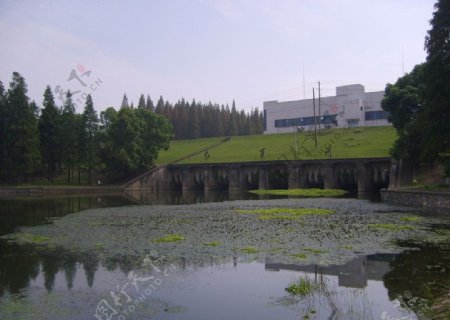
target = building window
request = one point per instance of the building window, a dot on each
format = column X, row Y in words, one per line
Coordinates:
column 327, row 120
column 376, row 115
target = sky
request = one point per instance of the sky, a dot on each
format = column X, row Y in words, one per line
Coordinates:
column 211, row 50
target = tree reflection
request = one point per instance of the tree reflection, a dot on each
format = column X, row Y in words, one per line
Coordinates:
column 420, row 278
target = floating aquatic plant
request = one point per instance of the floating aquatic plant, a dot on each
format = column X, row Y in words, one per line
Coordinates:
column 410, row 219
column 285, row 213
column 310, row 193
column 170, row 238
column 249, row 250
column 304, row 286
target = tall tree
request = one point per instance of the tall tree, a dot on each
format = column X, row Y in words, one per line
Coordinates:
column 21, row 141
column 149, row 104
column 437, row 90
column 404, row 102
column 141, row 104
column 160, row 106
column 49, row 134
column 69, row 136
column 90, row 128
column 125, row 102
column 133, row 141
column 2, row 129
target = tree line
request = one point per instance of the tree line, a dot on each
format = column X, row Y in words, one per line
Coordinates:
column 197, row 120
column 44, row 142
column 419, row 102
column 37, row 143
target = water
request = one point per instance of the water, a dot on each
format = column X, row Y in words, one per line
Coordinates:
column 54, row 283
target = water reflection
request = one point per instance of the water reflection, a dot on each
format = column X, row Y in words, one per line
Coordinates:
column 31, row 211
column 423, row 273
column 416, row 278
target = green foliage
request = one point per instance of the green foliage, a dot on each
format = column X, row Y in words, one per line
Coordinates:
column 69, row 135
column 170, row 238
column 284, row 213
column 437, row 89
column 249, row 250
column 213, row 244
column 404, row 102
column 132, row 140
column 89, row 129
column 196, row 120
column 303, row 287
column 20, row 139
column 310, row 193
column 49, row 132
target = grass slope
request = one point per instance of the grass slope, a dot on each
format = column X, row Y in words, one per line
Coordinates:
column 345, row 143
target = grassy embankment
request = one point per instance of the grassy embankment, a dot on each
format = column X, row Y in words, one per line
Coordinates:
column 345, row 143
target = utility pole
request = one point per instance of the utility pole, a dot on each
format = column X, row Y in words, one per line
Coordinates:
column 320, row 119
column 315, row 120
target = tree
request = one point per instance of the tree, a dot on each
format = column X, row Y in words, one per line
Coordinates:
column 133, row 141
column 2, row 130
column 69, row 136
column 160, row 106
column 21, row 143
column 234, row 121
column 49, row 133
column 404, row 102
column 90, row 129
column 194, row 122
column 141, row 104
column 124, row 102
column 437, row 90
column 149, row 104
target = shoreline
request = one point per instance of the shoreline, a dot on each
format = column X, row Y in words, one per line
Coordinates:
column 58, row 190
column 425, row 199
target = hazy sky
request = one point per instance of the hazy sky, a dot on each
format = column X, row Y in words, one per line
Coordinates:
column 210, row 50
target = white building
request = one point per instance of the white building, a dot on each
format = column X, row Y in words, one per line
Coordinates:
column 351, row 107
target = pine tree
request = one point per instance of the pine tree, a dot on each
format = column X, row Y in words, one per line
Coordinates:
column 141, row 104
column 49, row 134
column 2, row 130
column 234, row 121
column 69, row 136
column 149, row 104
column 160, row 106
column 124, row 102
column 21, row 140
column 90, row 128
column 194, row 122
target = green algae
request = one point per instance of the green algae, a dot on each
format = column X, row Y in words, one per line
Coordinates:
column 25, row 237
column 410, row 219
column 170, row 238
column 315, row 250
column 310, row 193
column 249, row 250
column 301, row 256
column 284, row 213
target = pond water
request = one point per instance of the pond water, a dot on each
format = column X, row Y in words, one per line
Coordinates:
column 197, row 278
